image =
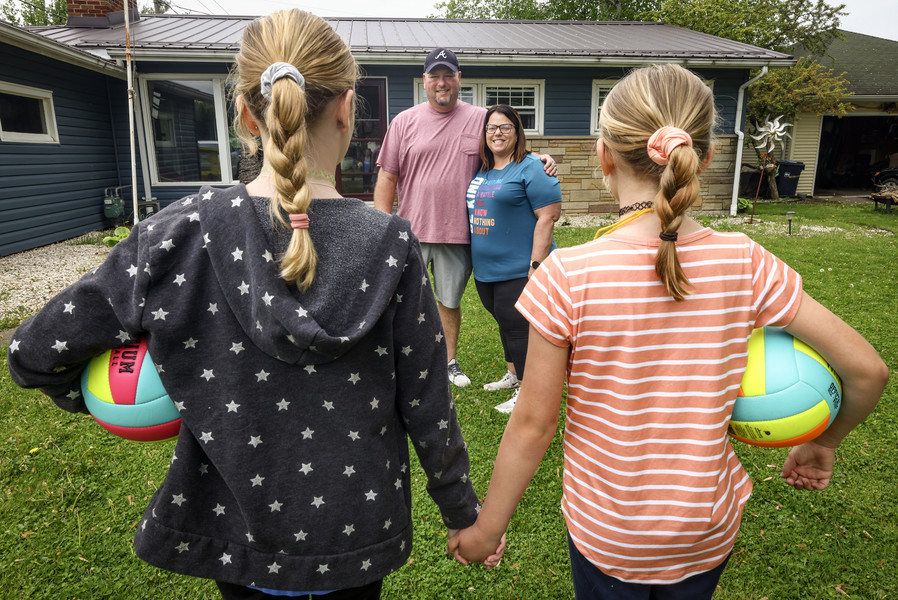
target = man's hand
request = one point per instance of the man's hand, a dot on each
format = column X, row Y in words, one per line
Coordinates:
column 550, row 167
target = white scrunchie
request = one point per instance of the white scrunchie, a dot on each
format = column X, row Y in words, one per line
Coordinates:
column 277, row 71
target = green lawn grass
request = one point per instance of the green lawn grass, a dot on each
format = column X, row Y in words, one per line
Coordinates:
column 72, row 494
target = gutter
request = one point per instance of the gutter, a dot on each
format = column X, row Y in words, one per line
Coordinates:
column 366, row 55
column 741, row 137
column 38, row 44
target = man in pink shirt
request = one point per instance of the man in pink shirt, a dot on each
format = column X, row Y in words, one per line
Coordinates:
column 429, row 155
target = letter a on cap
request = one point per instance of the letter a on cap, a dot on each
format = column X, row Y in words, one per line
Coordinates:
column 441, row 57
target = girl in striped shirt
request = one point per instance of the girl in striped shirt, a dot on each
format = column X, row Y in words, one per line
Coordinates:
column 650, row 325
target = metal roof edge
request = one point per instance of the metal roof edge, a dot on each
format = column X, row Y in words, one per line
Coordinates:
column 505, row 21
column 34, row 42
column 414, row 58
column 176, row 55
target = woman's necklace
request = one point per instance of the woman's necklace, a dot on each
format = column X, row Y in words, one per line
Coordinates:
column 639, row 207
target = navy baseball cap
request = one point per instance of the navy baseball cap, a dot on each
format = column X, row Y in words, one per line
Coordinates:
column 441, row 57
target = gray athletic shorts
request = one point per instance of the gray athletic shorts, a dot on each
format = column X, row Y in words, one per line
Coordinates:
column 451, row 267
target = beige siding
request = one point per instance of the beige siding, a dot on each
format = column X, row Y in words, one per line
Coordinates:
column 804, row 147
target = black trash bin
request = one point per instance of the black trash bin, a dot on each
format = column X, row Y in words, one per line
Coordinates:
column 787, row 178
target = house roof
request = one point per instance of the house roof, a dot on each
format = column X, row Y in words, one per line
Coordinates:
column 406, row 41
column 870, row 63
column 28, row 40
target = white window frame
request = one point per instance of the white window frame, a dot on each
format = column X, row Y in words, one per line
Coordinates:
column 598, row 87
column 605, row 85
column 48, row 114
column 221, row 125
column 478, row 97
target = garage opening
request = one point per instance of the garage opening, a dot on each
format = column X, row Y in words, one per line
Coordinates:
column 852, row 149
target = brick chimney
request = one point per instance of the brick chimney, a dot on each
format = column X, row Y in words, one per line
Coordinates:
column 100, row 13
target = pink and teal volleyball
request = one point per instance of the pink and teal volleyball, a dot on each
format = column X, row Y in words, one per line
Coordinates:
column 123, row 392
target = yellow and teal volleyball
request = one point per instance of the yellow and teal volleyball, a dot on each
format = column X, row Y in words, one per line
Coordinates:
column 789, row 393
column 123, row 392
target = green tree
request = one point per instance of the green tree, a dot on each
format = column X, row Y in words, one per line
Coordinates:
column 780, row 25
column 54, row 12
column 156, row 7
column 34, row 12
column 562, row 10
column 807, row 86
column 772, row 24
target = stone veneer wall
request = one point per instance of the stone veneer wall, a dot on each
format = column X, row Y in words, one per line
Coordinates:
column 582, row 192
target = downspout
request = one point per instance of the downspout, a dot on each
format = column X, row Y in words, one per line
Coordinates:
column 131, row 111
column 118, row 166
column 741, row 137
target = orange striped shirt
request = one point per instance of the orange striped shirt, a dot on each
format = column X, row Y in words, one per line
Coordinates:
column 653, row 492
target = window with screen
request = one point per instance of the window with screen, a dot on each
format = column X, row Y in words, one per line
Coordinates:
column 525, row 96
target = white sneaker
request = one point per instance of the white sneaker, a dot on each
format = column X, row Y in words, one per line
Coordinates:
column 506, row 407
column 456, row 376
column 509, row 381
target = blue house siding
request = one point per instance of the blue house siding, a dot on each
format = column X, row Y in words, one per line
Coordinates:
column 568, row 91
column 726, row 91
column 567, row 95
column 52, row 192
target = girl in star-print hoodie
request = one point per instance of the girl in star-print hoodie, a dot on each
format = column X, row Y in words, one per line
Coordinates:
column 297, row 386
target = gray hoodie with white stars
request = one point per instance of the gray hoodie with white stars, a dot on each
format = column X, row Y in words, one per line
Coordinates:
column 291, row 470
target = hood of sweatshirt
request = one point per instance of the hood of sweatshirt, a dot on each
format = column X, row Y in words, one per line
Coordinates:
column 361, row 255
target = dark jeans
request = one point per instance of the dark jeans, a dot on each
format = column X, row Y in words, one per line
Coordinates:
column 230, row 591
column 591, row 584
column 498, row 297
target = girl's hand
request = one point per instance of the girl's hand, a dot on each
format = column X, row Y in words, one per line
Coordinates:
column 809, row 466
column 472, row 545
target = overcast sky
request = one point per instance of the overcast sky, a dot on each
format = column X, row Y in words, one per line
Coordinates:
column 865, row 16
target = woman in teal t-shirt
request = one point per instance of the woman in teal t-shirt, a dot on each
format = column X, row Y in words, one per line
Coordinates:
column 512, row 209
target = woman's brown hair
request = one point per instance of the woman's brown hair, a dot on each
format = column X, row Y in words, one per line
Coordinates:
column 487, row 160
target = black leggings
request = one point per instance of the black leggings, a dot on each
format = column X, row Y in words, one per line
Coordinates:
column 498, row 297
column 230, row 591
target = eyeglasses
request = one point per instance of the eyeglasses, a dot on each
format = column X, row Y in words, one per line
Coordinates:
column 504, row 128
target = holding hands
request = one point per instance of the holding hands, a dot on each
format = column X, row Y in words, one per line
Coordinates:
column 473, row 545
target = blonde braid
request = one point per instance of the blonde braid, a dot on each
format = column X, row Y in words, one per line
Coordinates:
column 287, row 130
column 641, row 103
column 328, row 69
column 678, row 191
